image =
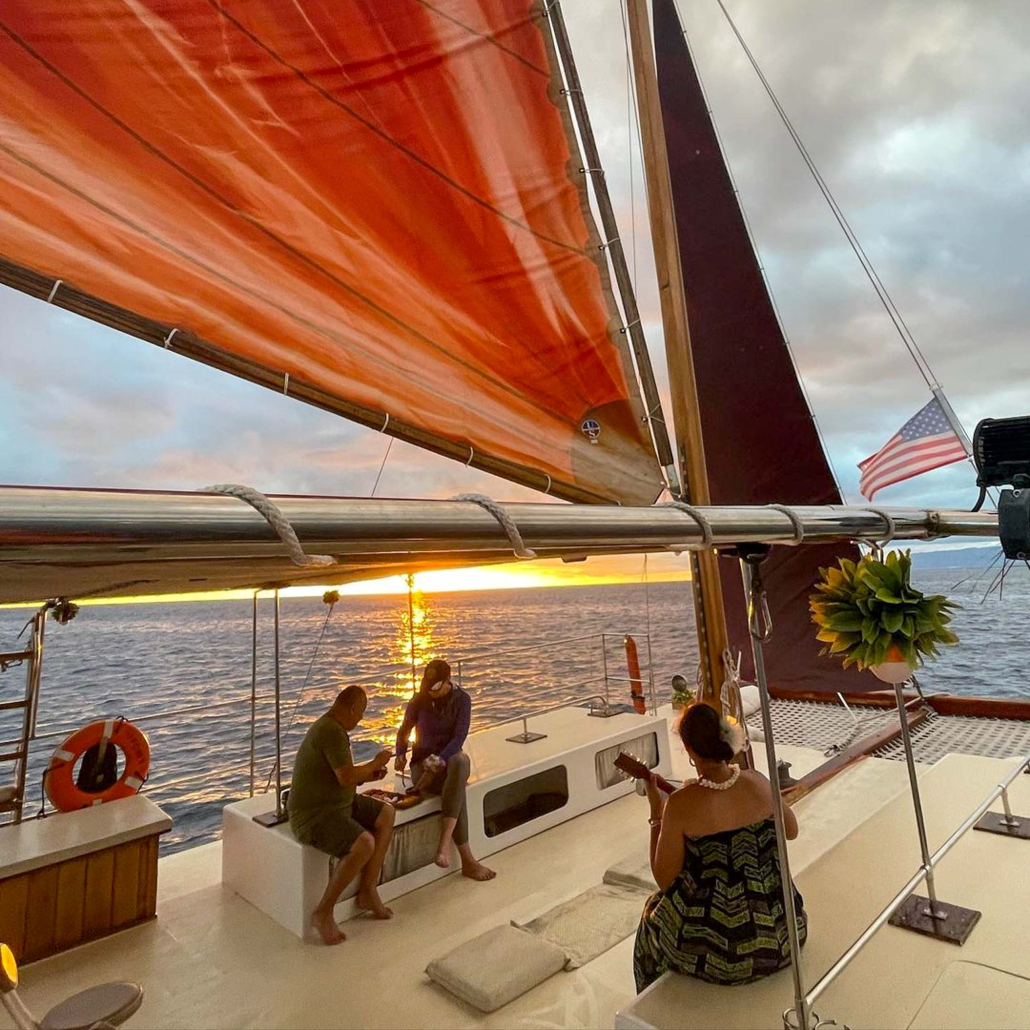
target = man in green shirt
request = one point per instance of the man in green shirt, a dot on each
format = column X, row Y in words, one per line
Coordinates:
column 327, row 812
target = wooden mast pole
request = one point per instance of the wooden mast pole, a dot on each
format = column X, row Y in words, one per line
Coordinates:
column 690, row 453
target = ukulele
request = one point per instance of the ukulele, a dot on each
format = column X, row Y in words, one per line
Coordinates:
column 635, row 768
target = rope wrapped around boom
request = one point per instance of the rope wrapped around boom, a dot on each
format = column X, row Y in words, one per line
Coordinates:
column 697, row 515
column 275, row 518
column 488, row 504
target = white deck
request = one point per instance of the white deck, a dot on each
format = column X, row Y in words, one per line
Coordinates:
column 212, row 960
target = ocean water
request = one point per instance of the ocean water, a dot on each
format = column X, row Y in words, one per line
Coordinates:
column 183, row 670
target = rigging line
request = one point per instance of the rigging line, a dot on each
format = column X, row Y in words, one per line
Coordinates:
column 300, row 255
column 867, row 266
column 761, row 264
column 382, row 134
column 304, row 687
column 381, row 467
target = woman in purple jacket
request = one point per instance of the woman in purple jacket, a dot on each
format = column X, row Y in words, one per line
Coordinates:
column 440, row 714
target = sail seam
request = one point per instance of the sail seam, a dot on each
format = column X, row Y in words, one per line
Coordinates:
column 250, row 220
column 97, row 309
column 487, row 38
column 385, row 136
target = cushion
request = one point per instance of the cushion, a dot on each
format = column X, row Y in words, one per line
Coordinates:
column 591, row 923
column 632, row 871
column 496, row 967
column 750, row 699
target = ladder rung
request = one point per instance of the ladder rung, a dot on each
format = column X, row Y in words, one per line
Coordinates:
column 6, row 706
column 15, row 656
column 12, row 756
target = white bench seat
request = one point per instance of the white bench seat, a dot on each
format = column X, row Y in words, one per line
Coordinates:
column 515, row 791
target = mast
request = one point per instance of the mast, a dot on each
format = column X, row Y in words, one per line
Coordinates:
column 616, row 252
column 708, row 600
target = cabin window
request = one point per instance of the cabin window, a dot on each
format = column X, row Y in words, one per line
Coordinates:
column 521, row 802
column 644, row 747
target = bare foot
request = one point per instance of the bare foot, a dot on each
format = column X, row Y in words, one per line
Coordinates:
column 325, row 926
column 477, row 871
column 443, row 859
column 371, row 902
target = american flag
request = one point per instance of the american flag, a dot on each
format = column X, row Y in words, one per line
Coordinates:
column 926, row 441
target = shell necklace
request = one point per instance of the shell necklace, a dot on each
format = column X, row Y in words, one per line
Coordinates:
column 725, row 785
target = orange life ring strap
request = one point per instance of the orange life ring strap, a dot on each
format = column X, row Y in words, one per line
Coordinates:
column 59, row 778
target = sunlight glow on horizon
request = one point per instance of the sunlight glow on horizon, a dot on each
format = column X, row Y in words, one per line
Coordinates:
column 524, row 575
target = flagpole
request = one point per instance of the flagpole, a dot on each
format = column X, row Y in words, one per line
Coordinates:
column 953, row 420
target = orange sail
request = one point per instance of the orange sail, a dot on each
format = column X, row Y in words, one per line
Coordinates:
column 374, row 207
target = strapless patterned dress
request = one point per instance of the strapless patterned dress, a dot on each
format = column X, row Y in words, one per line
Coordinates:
column 722, row 918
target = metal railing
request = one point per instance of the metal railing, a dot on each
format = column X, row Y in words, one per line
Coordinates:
column 925, row 872
column 491, row 711
column 802, row 1016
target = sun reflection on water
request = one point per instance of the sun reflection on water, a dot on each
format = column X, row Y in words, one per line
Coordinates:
column 412, row 646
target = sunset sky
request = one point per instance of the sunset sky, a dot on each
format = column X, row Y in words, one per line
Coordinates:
column 918, row 115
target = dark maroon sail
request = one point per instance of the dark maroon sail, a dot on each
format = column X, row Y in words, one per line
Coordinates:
column 761, row 443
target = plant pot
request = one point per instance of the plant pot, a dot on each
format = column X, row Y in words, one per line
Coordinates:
column 894, row 670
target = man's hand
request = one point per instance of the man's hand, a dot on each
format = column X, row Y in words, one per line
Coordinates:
column 381, row 760
column 400, row 763
column 378, row 774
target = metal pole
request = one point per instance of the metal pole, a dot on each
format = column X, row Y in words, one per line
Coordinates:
column 1010, row 819
column 604, row 660
column 899, row 899
column 917, row 804
column 38, row 634
column 800, row 1002
column 253, row 690
column 953, row 420
column 278, row 734
column 411, row 628
column 633, row 328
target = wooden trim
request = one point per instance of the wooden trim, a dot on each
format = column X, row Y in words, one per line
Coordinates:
column 850, row 755
column 985, row 707
column 707, row 586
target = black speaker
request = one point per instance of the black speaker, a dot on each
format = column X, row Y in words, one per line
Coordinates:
column 1001, row 451
column 1014, row 523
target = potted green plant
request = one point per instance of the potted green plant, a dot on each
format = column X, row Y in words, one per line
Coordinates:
column 870, row 615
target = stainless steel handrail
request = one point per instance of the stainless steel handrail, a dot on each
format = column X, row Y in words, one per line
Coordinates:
column 845, row 960
column 485, row 712
column 491, row 725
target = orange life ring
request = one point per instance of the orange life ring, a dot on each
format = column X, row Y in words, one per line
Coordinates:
column 59, row 778
column 636, row 686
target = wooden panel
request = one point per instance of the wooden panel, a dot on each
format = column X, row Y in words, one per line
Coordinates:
column 146, row 901
column 14, row 905
column 42, row 915
column 96, row 919
column 71, row 896
column 126, row 883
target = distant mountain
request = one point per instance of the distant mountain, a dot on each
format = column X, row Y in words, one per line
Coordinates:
column 955, row 557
